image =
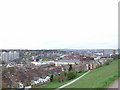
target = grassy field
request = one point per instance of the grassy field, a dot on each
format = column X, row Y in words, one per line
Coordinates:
column 56, row 84
column 101, row 77
column 27, row 56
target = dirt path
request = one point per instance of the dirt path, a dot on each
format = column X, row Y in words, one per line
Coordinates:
column 72, row 81
column 115, row 84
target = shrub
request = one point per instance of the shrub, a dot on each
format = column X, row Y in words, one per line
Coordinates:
column 65, row 73
column 63, row 78
column 71, row 75
column 107, row 63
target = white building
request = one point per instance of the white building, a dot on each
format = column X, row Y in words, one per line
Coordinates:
column 9, row 55
column 5, row 56
column 40, row 80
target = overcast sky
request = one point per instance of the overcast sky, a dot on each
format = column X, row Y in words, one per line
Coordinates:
column 51, row 24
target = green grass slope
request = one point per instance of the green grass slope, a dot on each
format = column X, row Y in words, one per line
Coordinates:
column 56, row 84
column 99, row 78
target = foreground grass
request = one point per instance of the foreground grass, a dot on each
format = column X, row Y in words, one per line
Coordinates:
column 56, row 84
column 98, row 78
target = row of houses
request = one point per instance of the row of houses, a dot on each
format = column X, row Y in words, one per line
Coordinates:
column 88, row 65
column 13, row 75
column 35, row 82
column 39, row 74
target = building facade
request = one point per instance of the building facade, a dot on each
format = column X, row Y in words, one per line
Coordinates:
column 8, row 55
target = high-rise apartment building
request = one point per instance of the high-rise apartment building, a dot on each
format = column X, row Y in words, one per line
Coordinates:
column 9, row 55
